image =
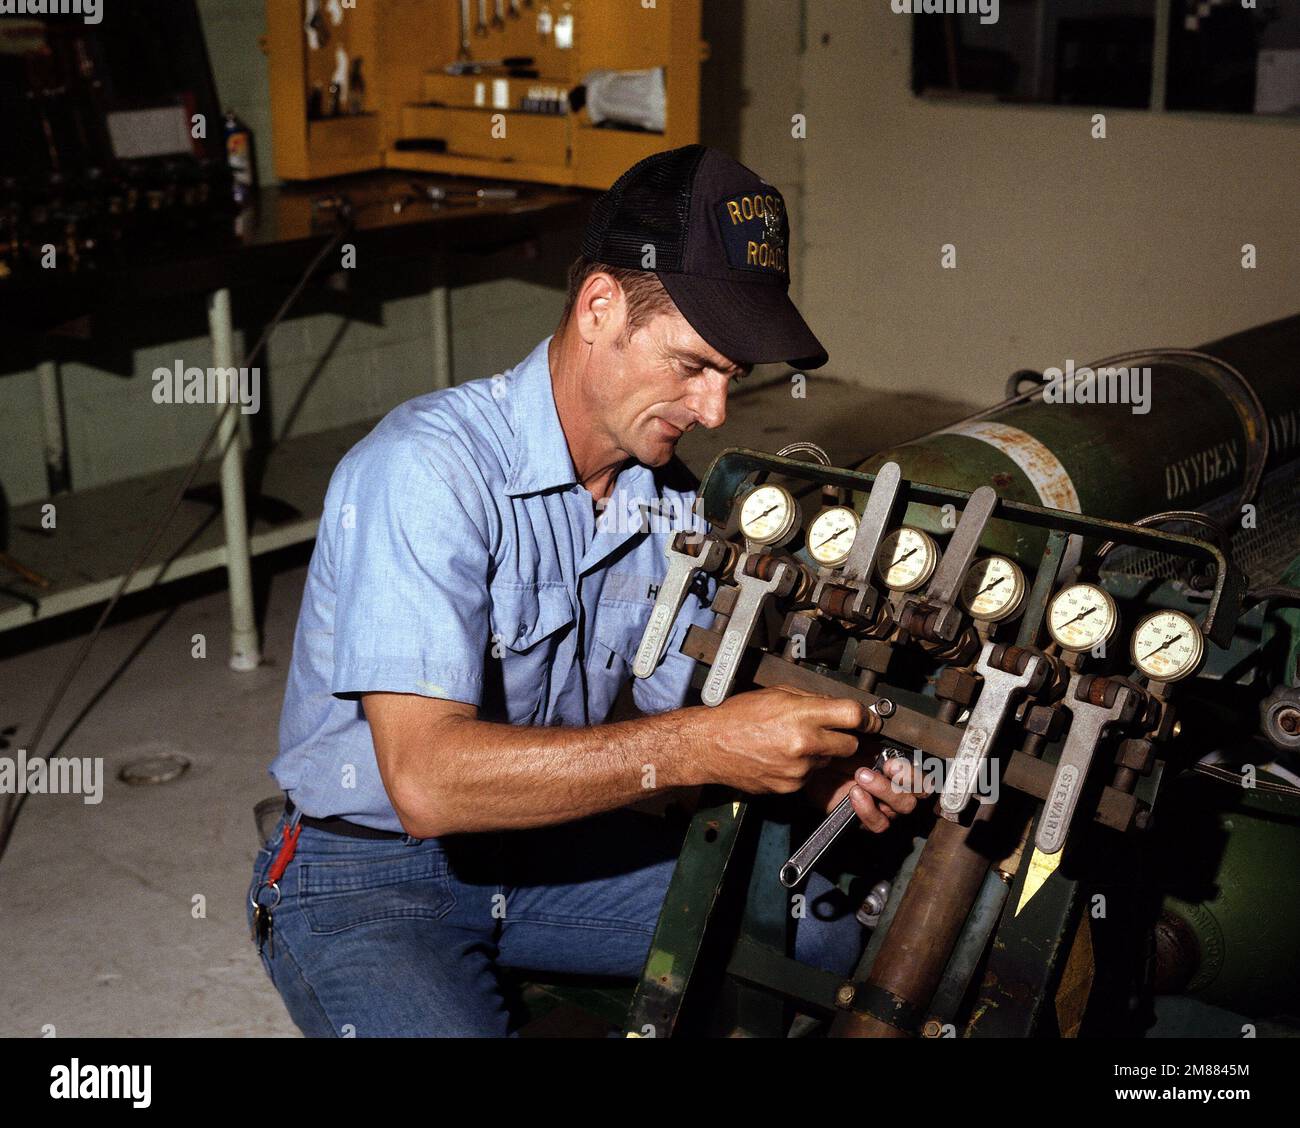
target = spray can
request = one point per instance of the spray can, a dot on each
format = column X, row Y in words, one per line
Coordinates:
column 239, row 155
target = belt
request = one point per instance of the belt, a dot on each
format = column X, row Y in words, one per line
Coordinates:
column 335, row 825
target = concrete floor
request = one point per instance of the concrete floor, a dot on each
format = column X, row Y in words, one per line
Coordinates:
column 98, row 920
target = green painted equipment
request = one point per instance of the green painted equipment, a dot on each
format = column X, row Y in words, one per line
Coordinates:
column 1215, row 415
column 1230, row 926
column 1181, row 880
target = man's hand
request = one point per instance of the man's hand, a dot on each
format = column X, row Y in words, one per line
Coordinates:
column 772, row 740
column 878, row 796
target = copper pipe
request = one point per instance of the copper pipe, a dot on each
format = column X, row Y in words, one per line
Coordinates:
column 19, row 569
column 924, row 931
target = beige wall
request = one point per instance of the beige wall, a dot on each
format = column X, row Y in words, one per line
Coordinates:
column 750, row 88
column 1067, row 247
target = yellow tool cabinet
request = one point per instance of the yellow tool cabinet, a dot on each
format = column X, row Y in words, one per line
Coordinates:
column 411, row 114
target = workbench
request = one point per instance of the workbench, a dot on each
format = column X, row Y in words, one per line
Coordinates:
column 269, row 245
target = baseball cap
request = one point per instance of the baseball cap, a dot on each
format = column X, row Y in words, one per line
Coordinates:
column 718, row 236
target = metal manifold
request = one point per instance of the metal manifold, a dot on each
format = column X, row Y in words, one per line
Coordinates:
column 1051, row 698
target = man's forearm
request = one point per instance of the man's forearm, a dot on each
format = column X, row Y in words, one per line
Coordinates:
column 479, row 775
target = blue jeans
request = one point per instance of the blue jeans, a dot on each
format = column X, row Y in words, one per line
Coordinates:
column 378, row 938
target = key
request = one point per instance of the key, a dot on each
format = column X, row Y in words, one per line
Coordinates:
column 254, row 933
column 262, row 926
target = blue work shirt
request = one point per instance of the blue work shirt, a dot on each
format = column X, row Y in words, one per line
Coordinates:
column 458, row 557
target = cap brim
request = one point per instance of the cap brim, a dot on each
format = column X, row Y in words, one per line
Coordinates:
column 747, row 322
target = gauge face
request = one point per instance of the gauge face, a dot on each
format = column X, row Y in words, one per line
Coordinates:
column 907, row 558
column 994, row 589
column 1167, row 645
column 1081, row 617
column 768, row 514
column 830, row 536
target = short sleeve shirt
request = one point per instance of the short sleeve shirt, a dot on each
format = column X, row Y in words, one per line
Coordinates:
column 458, row 557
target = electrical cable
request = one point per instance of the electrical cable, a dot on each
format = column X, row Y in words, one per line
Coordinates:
column 1233, row 779
column 14, row 802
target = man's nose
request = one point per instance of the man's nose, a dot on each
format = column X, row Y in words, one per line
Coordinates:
column 710, row 403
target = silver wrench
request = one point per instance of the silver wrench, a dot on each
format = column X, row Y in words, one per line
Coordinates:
column 481, row 28
column 682, row 570
column 1088, row 724
column 874, row 524
column 803, row 859
column 750, row 600
column 499, row 14
column 986, row 720
column 956, row 561
column 855, row 573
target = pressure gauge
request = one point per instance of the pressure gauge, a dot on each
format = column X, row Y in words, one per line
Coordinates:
column 1081, row 617
column 768, row 514
column 1167, row 646
column 994, row 589
column 907, row 558
column 830, row 536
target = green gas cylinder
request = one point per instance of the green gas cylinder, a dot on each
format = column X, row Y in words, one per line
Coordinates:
column 1186, row 435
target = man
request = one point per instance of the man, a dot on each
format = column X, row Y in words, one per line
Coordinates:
column 486, row 564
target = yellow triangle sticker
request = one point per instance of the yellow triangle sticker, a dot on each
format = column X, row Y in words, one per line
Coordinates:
column 1041, row 867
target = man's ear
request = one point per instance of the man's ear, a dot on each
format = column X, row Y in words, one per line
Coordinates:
column 600, row 310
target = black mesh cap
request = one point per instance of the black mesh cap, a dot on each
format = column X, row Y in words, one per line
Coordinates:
column 717, row 237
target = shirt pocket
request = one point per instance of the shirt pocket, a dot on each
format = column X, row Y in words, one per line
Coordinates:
column 623, row 612
column 621, row 617
column 528, row 622
column 337, row 895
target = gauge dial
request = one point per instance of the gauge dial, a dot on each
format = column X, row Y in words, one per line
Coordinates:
column 1167, row 645
column 994, row 589
column 830, row 536
column 907, row 558
column 1081, row 617
column 768, row 514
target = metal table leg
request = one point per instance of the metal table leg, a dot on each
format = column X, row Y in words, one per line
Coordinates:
column 440, row 303
column 245, row 653
column 55, row 430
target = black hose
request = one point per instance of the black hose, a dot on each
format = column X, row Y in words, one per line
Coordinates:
column 1274, row 591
